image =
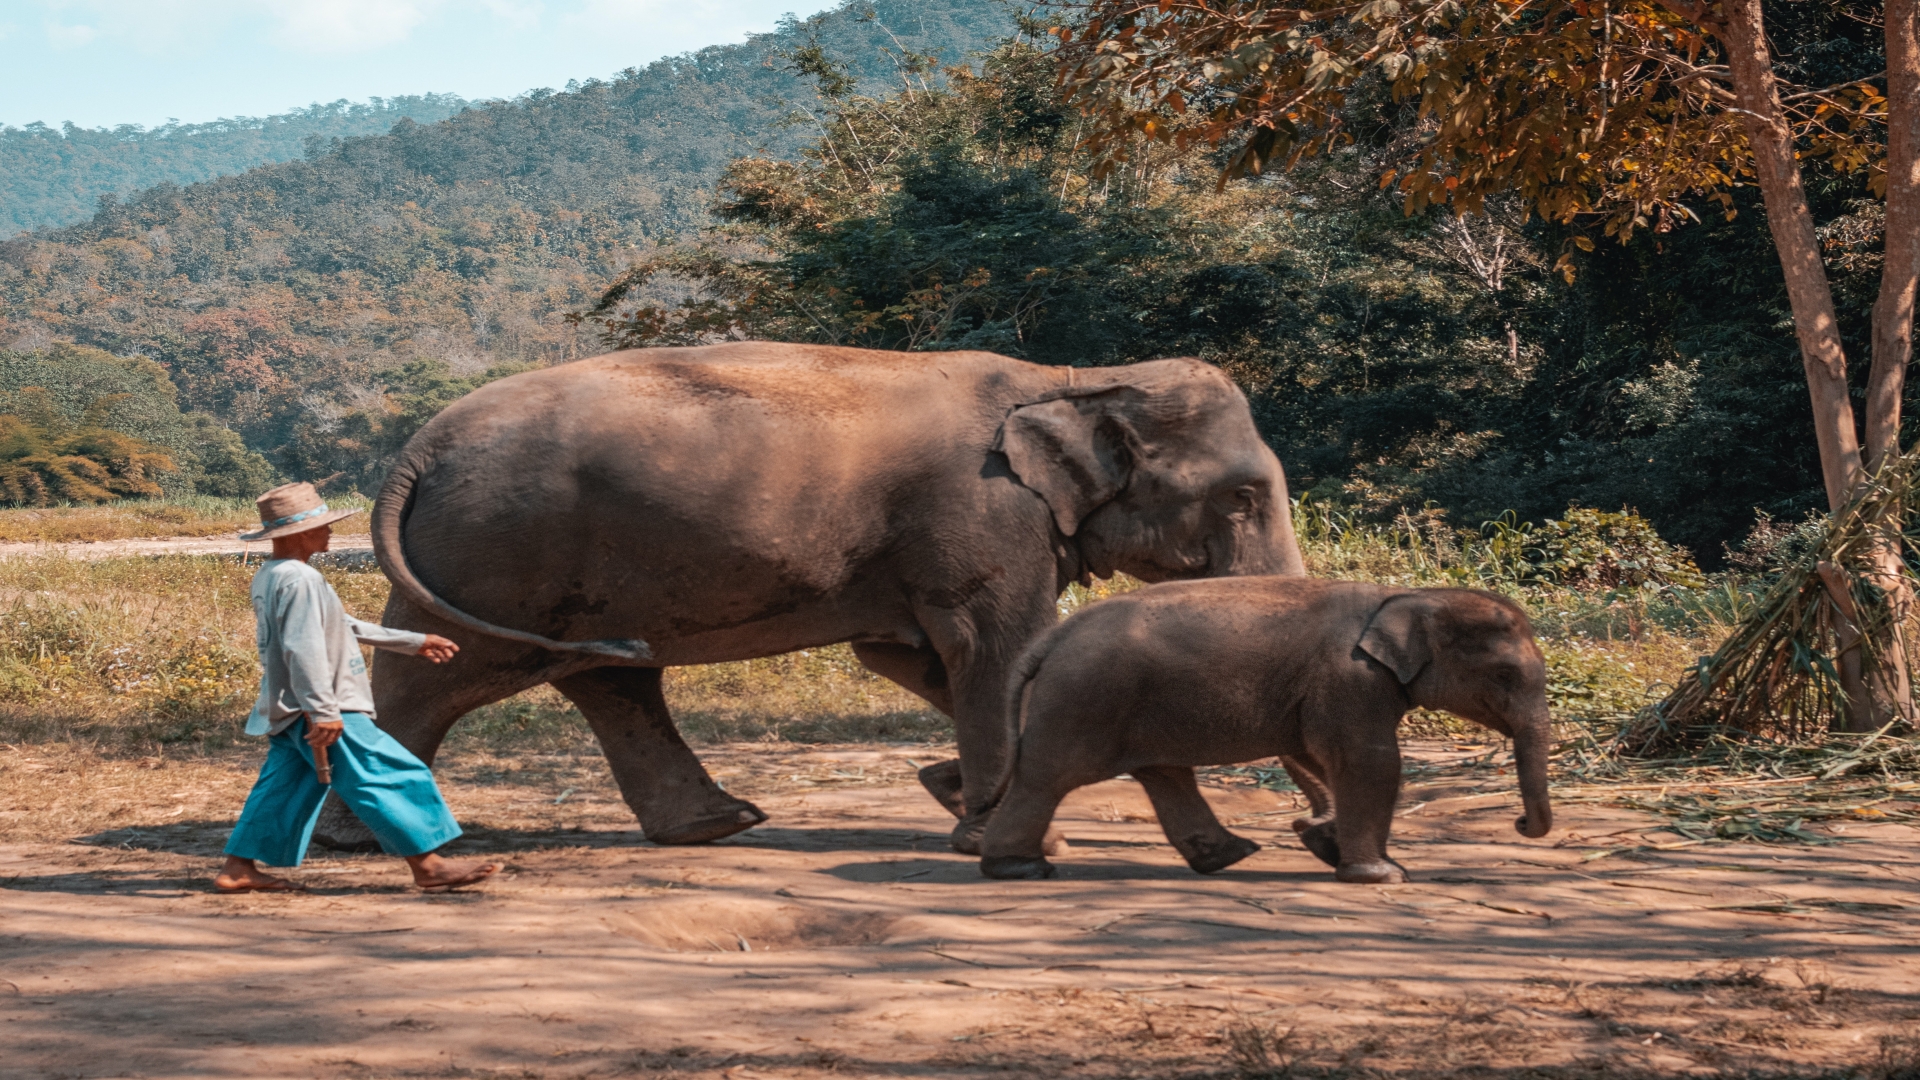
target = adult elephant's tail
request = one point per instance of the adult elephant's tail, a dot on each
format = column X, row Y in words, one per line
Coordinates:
column 390, row 512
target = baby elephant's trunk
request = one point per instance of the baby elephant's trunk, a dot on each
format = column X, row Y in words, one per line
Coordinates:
column 1532, row 742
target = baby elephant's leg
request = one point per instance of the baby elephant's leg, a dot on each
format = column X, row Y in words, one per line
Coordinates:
column 1317, row 832
column 1365, row 789
column 1189, row 822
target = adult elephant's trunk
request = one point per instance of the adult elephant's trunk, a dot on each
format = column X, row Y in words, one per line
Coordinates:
column 390, row 512
column 1532, row 742
column 1272, row 548
column 1286, row 546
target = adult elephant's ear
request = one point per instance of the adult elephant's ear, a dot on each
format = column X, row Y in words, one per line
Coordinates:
column 1400, row 635
column 1074, row 448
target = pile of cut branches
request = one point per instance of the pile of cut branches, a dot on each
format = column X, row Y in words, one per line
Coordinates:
column 1827, row 627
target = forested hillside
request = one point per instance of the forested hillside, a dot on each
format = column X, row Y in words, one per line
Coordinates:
column 55, row 176
column 1424, row 364
column 1419, row 364
column 291, row 299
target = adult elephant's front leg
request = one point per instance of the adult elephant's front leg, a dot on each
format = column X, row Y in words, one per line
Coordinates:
column 660, row 778
column 979, row 643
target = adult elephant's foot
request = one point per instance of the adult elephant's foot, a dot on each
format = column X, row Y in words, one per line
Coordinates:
column 1210, row 857
column 1376, row 872
column 967, row 835
column 942, row 781
column 338, row 830
column 1319, row 838
column 717, row 822
column 1016, row 867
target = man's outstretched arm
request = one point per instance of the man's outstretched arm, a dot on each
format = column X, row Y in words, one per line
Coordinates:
column 432, row 646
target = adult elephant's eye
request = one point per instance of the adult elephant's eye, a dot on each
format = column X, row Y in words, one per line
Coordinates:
column 1245, row 500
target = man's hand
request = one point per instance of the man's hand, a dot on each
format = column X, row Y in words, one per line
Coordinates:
column 324, row 733
column 438, row 649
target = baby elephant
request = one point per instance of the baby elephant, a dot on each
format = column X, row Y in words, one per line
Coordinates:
column 1213, row 672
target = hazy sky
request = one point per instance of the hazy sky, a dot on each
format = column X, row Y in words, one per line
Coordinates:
column 104, row 62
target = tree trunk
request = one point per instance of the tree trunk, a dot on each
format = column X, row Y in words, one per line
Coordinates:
column 1792, row 224
column 1892, row 689
column 1900, row 273
column 1884, row 692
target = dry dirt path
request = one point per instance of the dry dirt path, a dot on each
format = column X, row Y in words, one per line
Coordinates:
column 843, row 939
column 173, row 545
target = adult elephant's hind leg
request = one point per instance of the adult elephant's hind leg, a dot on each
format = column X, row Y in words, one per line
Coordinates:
column 662, row 781
column 919, row 670
column 418, row 702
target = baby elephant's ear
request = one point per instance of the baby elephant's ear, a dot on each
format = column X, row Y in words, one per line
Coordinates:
column 1400, row 636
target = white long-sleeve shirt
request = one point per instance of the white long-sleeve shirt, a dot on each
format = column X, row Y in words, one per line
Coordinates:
column 308, row 653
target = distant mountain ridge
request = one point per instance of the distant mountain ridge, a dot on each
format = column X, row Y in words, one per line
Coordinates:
column 288, row 299
column 51, row 177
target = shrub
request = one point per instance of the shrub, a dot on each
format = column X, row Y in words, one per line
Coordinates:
column 221, row 464
column 1592, row 550
column 73, row 402
column 43, row 460
column 1773, row 545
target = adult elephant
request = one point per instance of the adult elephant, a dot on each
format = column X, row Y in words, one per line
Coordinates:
column 592, row 524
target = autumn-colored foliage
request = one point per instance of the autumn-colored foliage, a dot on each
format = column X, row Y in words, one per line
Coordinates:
column 248, row 348
column 1615, row 108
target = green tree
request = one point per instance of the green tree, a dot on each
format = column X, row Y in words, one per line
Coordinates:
column 1633, row 112
column 932, row 217
column 221, row 463
column 352, row 451
column 76, row 389
column 45, row 459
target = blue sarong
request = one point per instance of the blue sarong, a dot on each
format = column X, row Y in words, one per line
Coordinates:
column 384, row 785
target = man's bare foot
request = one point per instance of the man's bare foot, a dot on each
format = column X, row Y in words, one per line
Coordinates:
column 435, row 874
column 242, row 875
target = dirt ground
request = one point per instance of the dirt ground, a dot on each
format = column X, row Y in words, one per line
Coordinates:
column 843, row 939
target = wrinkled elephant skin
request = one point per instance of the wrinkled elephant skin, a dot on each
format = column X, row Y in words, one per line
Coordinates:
column 1155, row 682
column 591, row 524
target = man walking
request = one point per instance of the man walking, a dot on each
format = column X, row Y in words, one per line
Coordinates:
column 314, row 697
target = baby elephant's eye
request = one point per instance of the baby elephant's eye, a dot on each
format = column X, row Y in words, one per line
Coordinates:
column 1245, row 500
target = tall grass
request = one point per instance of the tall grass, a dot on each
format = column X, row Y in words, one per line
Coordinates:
column 1610, row 651
column 134, row 651
column 134, row 655
column 137, row 653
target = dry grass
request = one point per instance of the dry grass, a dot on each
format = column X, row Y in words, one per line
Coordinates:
column 129, row 655
column 144, row 519
column 115, row 666
column 130, row 675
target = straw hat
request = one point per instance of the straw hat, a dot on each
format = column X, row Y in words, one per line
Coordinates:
column 292, row 508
